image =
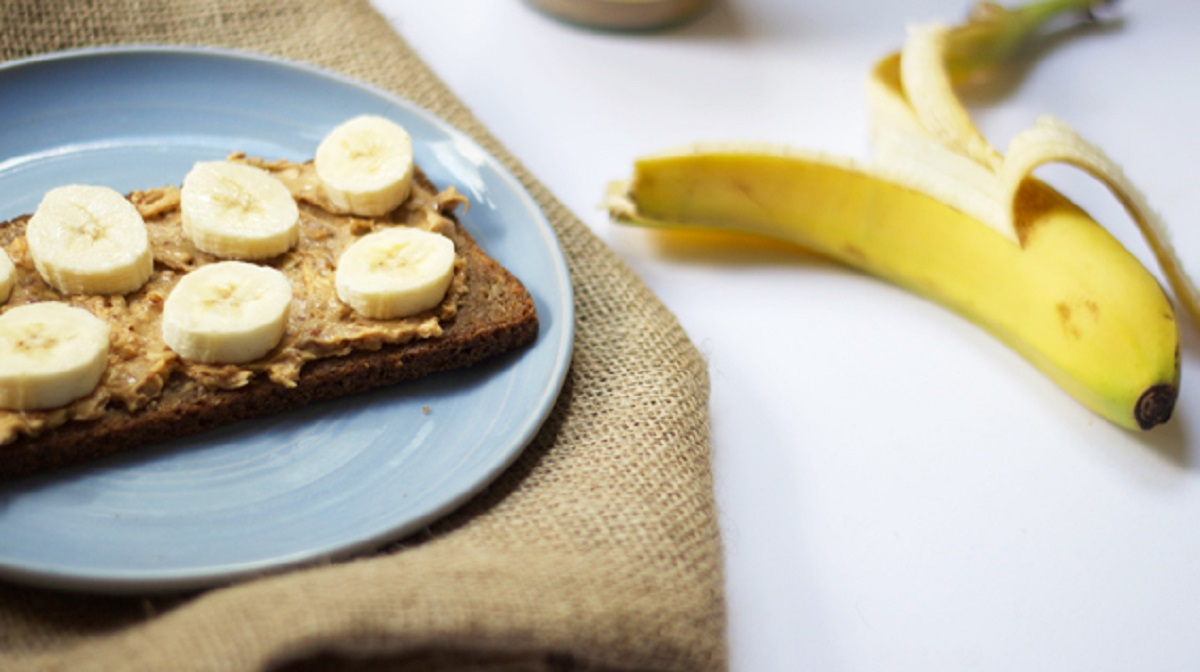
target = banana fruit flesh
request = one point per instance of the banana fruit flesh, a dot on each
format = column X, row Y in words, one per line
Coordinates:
column 89, row 240
column 228, row 312
column 52, row 354
column 395, row 272
column 940, row 212
column 366, row 165
column 235, row 211
column 8, row 276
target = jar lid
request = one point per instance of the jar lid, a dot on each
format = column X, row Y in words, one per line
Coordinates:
column 622, row 14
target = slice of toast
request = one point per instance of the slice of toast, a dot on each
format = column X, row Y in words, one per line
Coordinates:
column 488, row 312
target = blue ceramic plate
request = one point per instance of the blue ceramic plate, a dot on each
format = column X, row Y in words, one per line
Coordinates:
column 325, row 482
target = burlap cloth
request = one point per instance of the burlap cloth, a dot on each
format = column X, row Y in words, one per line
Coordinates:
column 598, row 549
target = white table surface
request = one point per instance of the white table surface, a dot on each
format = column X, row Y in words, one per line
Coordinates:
column 897, row 490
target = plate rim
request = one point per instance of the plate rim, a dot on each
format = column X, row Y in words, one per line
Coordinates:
column 563, row 311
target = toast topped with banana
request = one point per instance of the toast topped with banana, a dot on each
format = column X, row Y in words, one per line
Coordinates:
column 253, row 288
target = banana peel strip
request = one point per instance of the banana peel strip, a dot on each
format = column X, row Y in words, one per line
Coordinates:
column 1052, row 141
column 919, row 123
column 931, row 98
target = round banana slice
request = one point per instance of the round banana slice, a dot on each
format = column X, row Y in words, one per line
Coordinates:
column 8, row 275
column 89, row 240
column 235, row 211
column 229, row 312
column 50, row 355
column 395, row 272
column 366, row 165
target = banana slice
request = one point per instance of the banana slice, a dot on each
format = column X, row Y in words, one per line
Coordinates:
column 366, row 165
column 395, row 272
column 229, row 312
column 8, row 275
column 235, row 211
column 50, row 355
column 89, row 240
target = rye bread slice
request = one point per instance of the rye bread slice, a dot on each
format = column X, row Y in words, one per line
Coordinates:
column 494, row 316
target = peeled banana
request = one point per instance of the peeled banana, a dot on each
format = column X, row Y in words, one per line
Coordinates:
column 941, row 212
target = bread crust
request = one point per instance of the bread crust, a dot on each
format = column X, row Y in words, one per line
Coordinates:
column 496, row 315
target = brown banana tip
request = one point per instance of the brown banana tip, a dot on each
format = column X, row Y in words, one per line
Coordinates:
column 1155, row 405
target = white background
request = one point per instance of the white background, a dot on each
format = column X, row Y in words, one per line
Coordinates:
column 897, row 490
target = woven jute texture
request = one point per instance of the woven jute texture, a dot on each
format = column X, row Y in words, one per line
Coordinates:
column 599, row 549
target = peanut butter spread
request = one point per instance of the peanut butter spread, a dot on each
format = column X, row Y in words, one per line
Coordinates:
column 319, row 324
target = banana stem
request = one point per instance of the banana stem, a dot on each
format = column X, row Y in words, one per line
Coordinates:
column 993, row 34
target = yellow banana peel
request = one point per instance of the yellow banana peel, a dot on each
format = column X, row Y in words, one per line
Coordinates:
column 941, row 212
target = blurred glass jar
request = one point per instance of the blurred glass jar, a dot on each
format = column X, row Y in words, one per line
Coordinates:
column 622, row 14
